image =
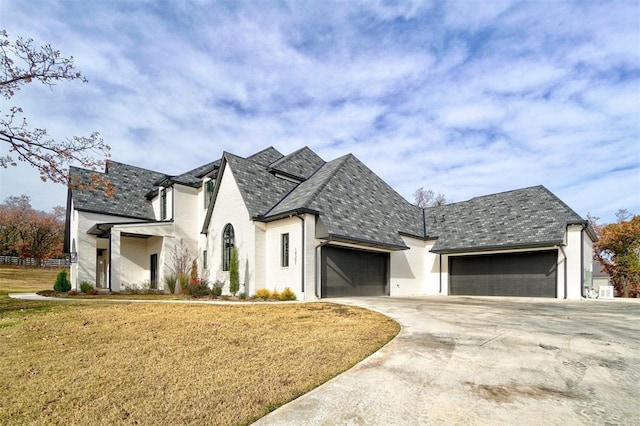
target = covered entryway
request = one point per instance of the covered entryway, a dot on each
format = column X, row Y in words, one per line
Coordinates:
column 530, row 274
column 348, row 272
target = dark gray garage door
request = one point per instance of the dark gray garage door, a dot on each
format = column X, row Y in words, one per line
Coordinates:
column 348, row 272
column 516, row 274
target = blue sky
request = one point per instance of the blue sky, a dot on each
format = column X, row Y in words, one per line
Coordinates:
column 466, row 98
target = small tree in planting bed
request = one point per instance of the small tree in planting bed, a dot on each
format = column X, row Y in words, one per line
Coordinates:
column 234, row 272
column 62, row 284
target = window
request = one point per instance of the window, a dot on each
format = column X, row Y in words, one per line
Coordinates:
column 228, row 241
column 208, row 193
column 284, row 252
column 163, row 204
column 204, row 259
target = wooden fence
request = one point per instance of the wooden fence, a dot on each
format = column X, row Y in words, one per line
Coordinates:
column 44, row 263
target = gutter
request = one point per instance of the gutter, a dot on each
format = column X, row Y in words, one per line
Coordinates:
column 283, row 215
column 367, row 243
column 481, row 249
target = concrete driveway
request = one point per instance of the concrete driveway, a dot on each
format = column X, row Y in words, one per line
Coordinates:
column 463, row 360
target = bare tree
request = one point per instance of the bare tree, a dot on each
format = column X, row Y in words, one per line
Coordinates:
column 427, row 198
column 21, row 63
column 623, row 215
column 182, row 262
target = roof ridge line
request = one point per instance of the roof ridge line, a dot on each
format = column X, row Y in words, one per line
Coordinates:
column 289, row 155
column 504, row 192
column 127, row 165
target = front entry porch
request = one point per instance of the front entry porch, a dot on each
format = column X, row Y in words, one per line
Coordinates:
column 131, row 255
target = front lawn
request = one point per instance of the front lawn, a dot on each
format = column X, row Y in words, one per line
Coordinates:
column 154, row 363
column 14, row 279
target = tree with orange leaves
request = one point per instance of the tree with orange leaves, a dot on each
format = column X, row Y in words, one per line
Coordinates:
column 618, row 251
column 29, row 233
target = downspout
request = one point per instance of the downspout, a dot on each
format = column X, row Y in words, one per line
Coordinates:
column 424, row 223
column 440, row 272
column 565, row 270
column 582, row 263
column 302, row 256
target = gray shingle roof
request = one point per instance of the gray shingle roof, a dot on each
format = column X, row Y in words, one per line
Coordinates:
column 355, row 204
column 300, row 164
column 352, row 202
column 524, row 217
column 305, row 193
column 131, row 185
column 194, row 177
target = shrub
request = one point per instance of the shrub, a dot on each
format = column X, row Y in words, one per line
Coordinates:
column 287, row 294
column 183, row 279
column 217, row 289
column 275, row 295
column 242, row 295
column 263, row 294
column 170, row 282
column 62, row 284
column 197, row 288
column 131, row 288
column 86, row 287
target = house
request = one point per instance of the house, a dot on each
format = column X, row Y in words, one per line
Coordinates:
column 600, row 277
column 324, row 229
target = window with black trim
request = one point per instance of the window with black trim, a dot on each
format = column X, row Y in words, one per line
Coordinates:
column 228, row 242
column 284, row 250
column 163, row 204
column 208, row 193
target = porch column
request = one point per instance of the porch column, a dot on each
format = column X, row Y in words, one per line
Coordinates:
column 114, row 259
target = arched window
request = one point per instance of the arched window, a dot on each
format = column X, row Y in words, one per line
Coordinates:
column 228, row 241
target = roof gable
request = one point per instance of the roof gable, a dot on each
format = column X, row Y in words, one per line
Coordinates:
column 260, row 190
column 266, row 156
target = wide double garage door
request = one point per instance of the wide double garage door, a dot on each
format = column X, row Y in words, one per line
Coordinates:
column 347, row 272
column 531, row 274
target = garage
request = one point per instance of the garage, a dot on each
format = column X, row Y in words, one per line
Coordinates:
column 531, row 274
column 348, row 272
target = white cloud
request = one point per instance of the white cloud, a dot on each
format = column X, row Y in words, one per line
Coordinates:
column 463, row 98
